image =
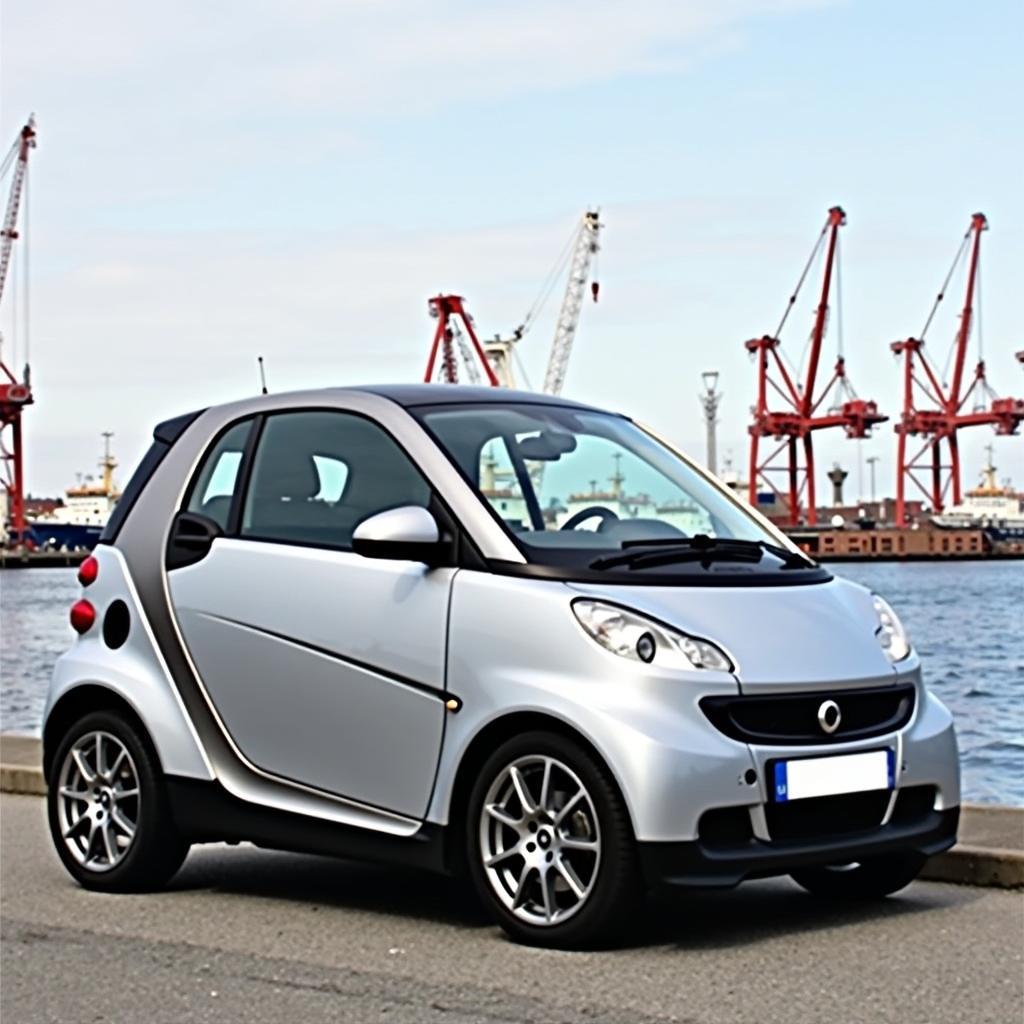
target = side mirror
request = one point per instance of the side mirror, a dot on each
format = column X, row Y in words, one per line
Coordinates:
column 409, row 533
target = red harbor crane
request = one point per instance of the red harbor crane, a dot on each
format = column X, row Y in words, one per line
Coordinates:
column 450, row 344
column 15, row 394
column 803, row 410
column 934, row 409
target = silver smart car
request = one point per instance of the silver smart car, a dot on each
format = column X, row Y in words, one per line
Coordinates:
column 484, row 631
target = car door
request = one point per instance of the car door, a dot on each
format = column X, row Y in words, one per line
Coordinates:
column 325, row 668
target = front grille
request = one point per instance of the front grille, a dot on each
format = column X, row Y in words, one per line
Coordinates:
column 826, row 816
column 784, row 719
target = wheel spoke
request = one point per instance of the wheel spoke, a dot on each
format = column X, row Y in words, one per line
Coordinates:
column 522, row 791
column 547, row 882
column 109, row 846
column 80, row 763
column 124, row 794
column 122, row 754
column 99, row 754
column 75, row 826
column 74, row 794
column 569, row 805
column 499, row 813
column 520, row 896
column 566, row 870
column 546, row 783
column 577, row 843
column 93, row 829
column 497, row 858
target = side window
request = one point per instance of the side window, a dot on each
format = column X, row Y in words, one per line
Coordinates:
column 318, row 475
column 214, row 488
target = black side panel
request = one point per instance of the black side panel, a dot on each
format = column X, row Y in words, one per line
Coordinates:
column 164, row 436
column 206, row 813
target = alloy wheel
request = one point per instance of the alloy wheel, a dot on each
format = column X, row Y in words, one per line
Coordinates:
column 98, row 801
column 540, row 840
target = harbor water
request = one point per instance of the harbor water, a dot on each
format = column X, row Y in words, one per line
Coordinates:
column 966, row 620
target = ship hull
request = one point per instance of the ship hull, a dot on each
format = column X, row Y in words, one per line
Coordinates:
column 64, row 536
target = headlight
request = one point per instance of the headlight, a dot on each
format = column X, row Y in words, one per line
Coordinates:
column 891, row 634
column 632, row 636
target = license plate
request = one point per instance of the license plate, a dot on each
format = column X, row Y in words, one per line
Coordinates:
column 808, row 777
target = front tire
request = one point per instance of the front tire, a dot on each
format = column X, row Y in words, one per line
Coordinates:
column 110, row 819
column 872, row 878
column 549, row 844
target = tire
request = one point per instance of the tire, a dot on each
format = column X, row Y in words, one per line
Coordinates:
column 108, row 839
column 873, row 878
column 561, row 873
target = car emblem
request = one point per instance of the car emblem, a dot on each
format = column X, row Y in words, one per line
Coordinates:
column 829, row 716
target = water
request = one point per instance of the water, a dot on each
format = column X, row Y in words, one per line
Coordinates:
column 966, row 620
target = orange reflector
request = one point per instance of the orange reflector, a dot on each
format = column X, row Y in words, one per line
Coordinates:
column 83, row 615
column 88, row 571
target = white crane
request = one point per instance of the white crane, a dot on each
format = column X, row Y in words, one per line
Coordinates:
column 587, row 243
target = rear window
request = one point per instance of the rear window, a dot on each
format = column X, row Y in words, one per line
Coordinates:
column 164, row 436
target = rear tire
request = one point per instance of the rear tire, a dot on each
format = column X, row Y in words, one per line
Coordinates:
column 873, row 878
column 550, row 845
column 109, row 815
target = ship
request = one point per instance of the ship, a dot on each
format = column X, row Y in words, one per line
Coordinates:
column 79, row 522
column 993, row 507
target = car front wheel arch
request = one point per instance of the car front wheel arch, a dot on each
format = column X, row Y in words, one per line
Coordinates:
column 483, row 744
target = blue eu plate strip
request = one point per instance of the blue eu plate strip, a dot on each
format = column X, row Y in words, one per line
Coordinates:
column 781, row 787
column 892, row 767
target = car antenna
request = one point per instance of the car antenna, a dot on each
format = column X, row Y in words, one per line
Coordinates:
column 263, row 376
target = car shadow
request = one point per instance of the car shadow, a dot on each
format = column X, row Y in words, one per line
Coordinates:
column 686, row 920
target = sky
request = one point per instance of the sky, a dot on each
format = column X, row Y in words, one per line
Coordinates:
column 219, row 181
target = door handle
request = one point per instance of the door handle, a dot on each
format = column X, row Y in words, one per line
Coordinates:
column 192, row 536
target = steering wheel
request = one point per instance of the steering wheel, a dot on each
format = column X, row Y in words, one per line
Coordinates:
column 606, row 515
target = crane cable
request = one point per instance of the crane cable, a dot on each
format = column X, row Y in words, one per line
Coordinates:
column 945, row 285
column 548, row 285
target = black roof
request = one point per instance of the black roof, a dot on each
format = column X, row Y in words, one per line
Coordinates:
column 409, row 395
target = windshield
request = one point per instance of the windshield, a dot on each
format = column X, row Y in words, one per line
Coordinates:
column 572, row 485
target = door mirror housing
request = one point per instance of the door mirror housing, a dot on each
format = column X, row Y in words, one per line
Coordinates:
column 409, row 533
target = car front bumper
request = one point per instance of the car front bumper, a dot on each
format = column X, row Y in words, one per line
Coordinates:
column 707, row 863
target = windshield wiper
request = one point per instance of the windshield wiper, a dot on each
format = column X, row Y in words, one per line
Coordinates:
column 650, row 553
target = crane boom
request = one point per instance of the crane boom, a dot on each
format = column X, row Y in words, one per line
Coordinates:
column 15, row 395
column 26, row 140
column 586, row 247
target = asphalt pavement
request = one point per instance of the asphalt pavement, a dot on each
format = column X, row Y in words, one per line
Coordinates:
column 249, row 935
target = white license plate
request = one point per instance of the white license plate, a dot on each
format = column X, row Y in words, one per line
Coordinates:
column 832, row 776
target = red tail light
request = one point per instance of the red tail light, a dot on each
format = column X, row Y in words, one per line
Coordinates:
column 88, row 571
column 83, row 615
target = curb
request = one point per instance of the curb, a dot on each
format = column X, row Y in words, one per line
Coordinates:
column 991, row 867
column 17, row 778
column 977, row 865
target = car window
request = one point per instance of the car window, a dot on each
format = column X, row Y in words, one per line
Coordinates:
column 500, row 485
column 317, row 475
column 218, row 476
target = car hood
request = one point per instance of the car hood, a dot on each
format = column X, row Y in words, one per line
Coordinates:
column 801, row 637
